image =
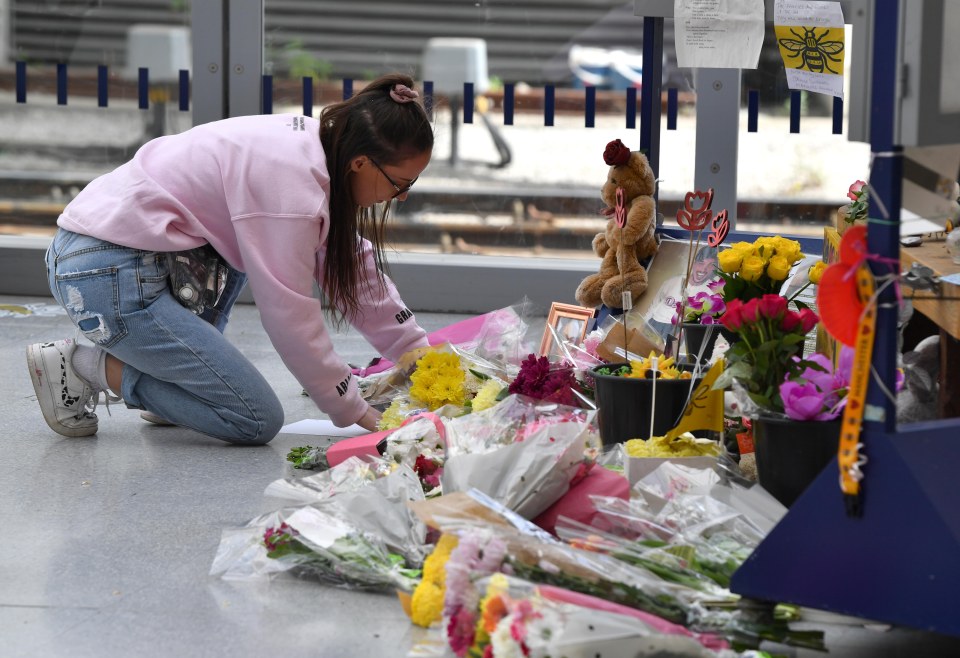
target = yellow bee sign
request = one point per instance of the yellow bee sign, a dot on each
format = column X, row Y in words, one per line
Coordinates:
column 812, row 42
column 812, row 49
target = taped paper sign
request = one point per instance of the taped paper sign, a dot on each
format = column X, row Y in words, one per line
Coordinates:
column 811, row 38
column 718, row 33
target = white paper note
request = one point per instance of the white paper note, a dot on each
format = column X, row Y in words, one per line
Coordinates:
column 317, row 427
column 724, row 34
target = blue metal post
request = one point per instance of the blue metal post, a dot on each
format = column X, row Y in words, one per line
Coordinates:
column 650, row 89
column 886, row 185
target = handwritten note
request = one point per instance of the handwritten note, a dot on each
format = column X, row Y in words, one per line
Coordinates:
column 718, row 33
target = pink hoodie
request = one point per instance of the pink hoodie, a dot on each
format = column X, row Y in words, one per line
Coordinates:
column 256, row 188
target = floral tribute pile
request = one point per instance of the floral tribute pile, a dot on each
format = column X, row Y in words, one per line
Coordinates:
column 492, row 509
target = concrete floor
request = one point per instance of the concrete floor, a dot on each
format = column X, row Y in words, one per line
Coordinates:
column 109, row 540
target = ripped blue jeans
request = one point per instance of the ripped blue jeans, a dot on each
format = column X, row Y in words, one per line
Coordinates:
column 177, row 365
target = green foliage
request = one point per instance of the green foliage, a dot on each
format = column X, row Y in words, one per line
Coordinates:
column 303, row 64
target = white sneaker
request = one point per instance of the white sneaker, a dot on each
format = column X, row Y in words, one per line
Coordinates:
column 151, row 417
column 66, row 399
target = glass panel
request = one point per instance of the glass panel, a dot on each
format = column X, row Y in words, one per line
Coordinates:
column 524, row 188
column 64, row 119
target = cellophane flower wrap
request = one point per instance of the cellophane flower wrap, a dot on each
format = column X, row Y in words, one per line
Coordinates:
column 448, row 381
column 769, row 349
column 524, row 453
column 362, row 537
column 754, row 269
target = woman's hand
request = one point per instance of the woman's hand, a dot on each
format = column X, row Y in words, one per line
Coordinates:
column 370, row 420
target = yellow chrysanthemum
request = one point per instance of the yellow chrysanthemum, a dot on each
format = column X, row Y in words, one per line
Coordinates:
column 438, row 380
column 487, row 395
column 778, row 268
column 426, row 604
column 816, row 272
column 752, row 268
column 729, row 261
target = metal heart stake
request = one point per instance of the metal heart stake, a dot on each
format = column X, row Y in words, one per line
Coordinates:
column 719, row 227
column 620, row 212
column 695, row 218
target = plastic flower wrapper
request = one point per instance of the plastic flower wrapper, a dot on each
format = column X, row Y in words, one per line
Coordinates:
column 352, row 474
column 536, row 556
column 366, row 538
column 445, row 380
column 523, row 453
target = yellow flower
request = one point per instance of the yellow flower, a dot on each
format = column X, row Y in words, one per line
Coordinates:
column 730, row 260
column 816, row 272
column 752, row 268
column 426, row 605
column 487, row 395
column 778, row 268
column 789, row 249
column 766, row 247
column 395, row 414
column 438, row 380
column 664, row 365
column 744, row 248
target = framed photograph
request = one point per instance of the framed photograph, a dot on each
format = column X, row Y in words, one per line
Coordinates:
column 570, row 322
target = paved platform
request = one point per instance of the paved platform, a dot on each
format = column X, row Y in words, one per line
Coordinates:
column 108, row 540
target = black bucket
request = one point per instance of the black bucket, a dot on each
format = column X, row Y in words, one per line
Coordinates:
column 791, row 454
column 624, row 405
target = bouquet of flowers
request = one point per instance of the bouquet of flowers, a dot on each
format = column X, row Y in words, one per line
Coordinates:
column 769, row 349
column 357, row 537
column 449, row 381
column 754, row 269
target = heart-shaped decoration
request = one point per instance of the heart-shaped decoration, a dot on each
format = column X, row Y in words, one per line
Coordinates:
column 838, row 303
column 853, row 404
column 620, row 211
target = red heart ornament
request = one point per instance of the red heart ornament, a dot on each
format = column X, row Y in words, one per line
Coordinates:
column 838, row 303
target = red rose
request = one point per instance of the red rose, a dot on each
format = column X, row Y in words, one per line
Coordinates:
column 732, row 318
column 808, row 319
column 751, row 311
column 772, row 306
column 616, row 153
column 790, row 321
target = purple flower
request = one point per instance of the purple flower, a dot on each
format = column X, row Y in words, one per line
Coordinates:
column 804, row 401
column 825, row 380
column 716, row 285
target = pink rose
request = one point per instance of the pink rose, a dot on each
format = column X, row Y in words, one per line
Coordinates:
column 805, row 402
column 790, row 321
column 751, row 311
column 855, row 190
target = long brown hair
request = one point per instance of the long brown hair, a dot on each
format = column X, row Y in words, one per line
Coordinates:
column 370, row 123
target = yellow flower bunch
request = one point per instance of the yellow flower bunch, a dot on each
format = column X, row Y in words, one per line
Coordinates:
column 665, row 365
column 685, row 445
column 426, row 605
column 394, row 415
column 487, row 395
column 752, row 269
column 438, row 380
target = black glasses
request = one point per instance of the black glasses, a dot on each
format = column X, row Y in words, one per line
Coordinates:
column 400, row 189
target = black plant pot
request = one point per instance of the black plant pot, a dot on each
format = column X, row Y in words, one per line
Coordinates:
column 700, row 337
column 791, row 454
column 624, row 405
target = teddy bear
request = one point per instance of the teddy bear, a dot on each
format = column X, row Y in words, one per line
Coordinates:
column 623, row 248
